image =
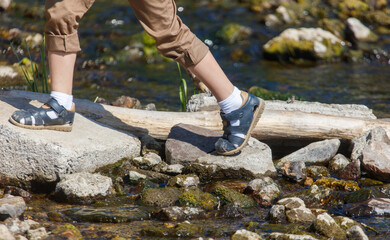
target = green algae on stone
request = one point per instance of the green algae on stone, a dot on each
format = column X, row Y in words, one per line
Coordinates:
column 345, row 223
column 272, row 95
column 228, row 196
column 195, row 197
column 328, row 227
column 69, row 229
column 115, row 170
column 160, row 197
column 233, row 33
column 315, row 196
column 368, row 193
column 316, row 172
column 181, row 230
column 339, row 185
column 368, row 182
column 352, row 8
column 335, row 26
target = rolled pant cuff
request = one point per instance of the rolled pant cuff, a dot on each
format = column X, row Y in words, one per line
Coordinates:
column 194, row 55
column 63, row 43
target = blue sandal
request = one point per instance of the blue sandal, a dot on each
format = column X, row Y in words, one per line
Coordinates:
column 39, row 119
column 248, row 114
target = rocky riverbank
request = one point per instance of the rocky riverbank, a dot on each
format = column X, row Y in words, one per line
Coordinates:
column 179, row 188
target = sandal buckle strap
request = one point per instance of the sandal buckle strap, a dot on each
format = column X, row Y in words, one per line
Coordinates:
column 60, row 110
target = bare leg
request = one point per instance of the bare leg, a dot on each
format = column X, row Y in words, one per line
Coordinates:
column 61, row 69
column 210, row 73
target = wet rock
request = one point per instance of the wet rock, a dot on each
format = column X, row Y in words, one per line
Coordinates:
column 360, row 32
column 334, row 26
column 195, row 197
column 150, row 175
column 231, row 211
column 160, row 197
column 372, row 207
column 228, row 196
column 339, row 185
column 110, row 214
column 37, row 234
column 285, row 236
column 294, row 171
column 277, row 214
column 317, row 172
column 176, row 213
column 345, row 168
column 233, row 33
column 184, row 181
column 9, row 75
column 360, row 143
column 148, row 161
column 173, row 169
column 254, row 160
column 286, row 15
column 376, row 160
column 327, row 226
column 202, row 102
column 315, row 153
column 367, row 193
column 11, row 207
column 304, row 43
column 291, row 203
column 352, row 8
column 368, row 182
column 15, row 191
column 184, row 229
column 83, row 188
column 5, row 234
column 186, row 143
column 345, row 223
column 264, row 190
column 245, row 235
column 135, row 177
column 301, row 215
column 356, row 232
column 149, row 144
column 68, row 231
column 315, row 196
column 127, row 102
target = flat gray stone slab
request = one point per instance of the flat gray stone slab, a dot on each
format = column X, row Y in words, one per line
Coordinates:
column 28, row 154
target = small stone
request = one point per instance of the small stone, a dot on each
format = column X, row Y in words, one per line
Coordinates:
column 291, row 203
column 277, row 214
column 301, row 215
column 160, row 197
column 173, row 169
column 245, row 235
column 136, row 177
column 202, row 102
column 228, row 196
column 264, row 190
column 127, row 102
column 176, row 213
column 83, row 188
column 148, row 161
column 294, row 171
column 285, row 236
column 345, row 168
column 356, row 233
column 359, row 31
column 327, row 226
column 317, row 172
column 37, row 234
column 11, row 207
column 184, row 181
column 315, row 153
column 5, row 234
column 231, row 211
column 150, row 175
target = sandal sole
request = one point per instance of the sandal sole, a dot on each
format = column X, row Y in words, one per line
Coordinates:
column 256, row 117
column 62, row 128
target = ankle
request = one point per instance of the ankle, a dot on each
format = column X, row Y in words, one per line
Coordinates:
column 63, row 99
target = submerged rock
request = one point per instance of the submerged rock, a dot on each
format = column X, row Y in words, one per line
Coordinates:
column 285, row 236
column 264, row 190
column 315, row 153
column 184, row 181
column 373, row 207
column 339, row 185
column 182, row 230
column 69, row 231
column 315, row 196
column 160, row 197
column 316, row 172
column 176, row 213
column 83, row 188
column 304, row 43
column 277, row 214
column 365, row 194
column 228, row 196
column 233, row 33
column 195, row 197
column 245, row 235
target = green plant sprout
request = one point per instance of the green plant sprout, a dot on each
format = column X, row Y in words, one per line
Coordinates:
column 182, row 90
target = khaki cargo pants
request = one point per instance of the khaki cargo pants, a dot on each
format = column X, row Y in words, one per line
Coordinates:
column 158, row 17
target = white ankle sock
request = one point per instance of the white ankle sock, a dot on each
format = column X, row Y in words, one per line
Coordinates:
column 230, row 104
column 63, row 99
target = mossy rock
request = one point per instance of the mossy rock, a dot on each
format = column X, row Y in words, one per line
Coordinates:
column 69, row 230
column 272, row 95
column 232, row 33
column 115, row 170
column 377, row 17
column 345, row 223
column 315, row 196
column 182, row 230
column 228, row 196
column 195, row 197
column 368, row 182
column 160, row 197
column 339, row 185
column 352, row 8
column 328, row 227
column 365, row 194
column 335, row 26
column 316, row 172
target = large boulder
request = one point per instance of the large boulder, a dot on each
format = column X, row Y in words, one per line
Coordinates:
column 29, row 155
column 304, row 43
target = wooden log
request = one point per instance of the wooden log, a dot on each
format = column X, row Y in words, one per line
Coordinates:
column 274, row 125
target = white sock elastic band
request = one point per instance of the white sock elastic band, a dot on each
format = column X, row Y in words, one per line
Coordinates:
column 63, row 99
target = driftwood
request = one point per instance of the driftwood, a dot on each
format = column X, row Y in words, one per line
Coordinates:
column 274, row 125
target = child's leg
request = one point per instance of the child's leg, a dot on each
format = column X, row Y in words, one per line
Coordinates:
column 241, row 111
column 62, row 44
